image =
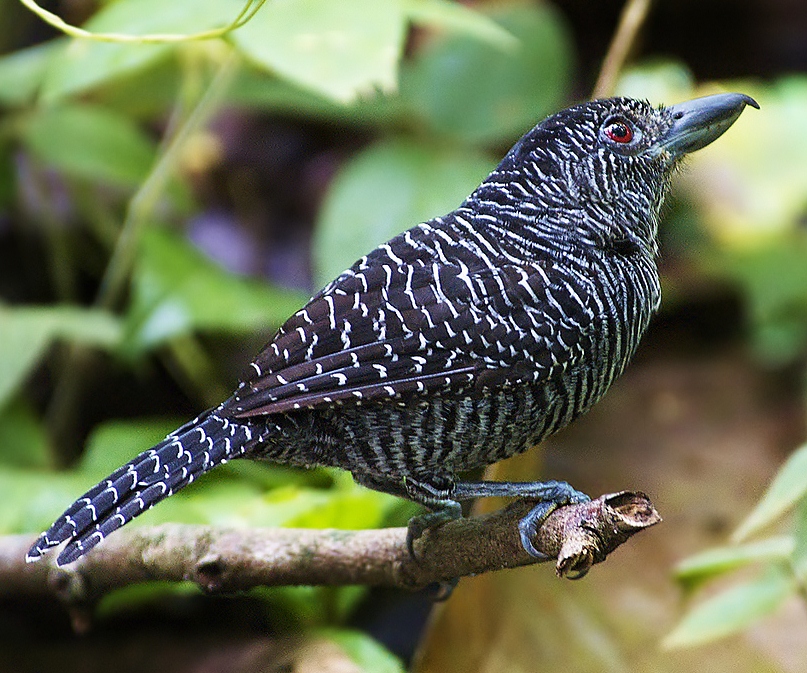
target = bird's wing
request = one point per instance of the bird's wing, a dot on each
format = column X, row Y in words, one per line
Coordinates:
column 392, row 330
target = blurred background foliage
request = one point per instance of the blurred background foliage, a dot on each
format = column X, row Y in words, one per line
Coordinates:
column 165, row 205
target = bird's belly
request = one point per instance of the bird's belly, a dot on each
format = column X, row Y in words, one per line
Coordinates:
column 438, row 435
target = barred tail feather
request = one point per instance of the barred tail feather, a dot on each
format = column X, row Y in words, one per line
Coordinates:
column 188, row 452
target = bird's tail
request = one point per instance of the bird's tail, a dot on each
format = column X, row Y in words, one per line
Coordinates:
column 193, row 449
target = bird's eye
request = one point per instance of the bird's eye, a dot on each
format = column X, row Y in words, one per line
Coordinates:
column 618, row 131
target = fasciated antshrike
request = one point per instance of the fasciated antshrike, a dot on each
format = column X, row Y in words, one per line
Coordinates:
column 462, row 341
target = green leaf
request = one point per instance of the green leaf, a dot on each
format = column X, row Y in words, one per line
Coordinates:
column 773, row 278
column 177, row 290
column 341, row 49
column 799, row 557
column 352, row 509
column 660, row 81
column 84, row 64
column 217, row 499
column 787, row 488
column 114, row 443
column 471, row 90
column 21, row 73
column 272, row 475
column 163, row 81
column 697, row 569
column 386, row 189
column 459, row 18
column 90, row 142
column 33, row 499
column 23, row 440
column 128, row 599
column 366, row 653
column 752, row 183
column 732, row 610
column 26, row 333
column 256, row 88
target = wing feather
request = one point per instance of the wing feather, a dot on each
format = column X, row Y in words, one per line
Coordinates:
column 391, row 330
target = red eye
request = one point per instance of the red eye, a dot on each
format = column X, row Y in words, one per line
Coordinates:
column 618, row 132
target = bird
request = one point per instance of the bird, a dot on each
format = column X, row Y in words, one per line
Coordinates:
column 462, row 341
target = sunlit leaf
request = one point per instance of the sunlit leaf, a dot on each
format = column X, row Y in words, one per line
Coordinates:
column 162, row 80
column 229, row 496
column 271, row 475
column 256, row 88
column 83, row 64
column 799, row 556
column 353, row 509
column 128, row 598
column 751, row 184
column 364, row 651
column 23, row 441
column 662, row 82
column 21, row 72
column 90, row 142
column 787, row 488
column 772, row 276
column 26, row 332
column 468, row 89
column 177, row 290
column 340, row 49
column 114, row 443
column 33, row 499
column 459, row 18
column 217, row 499
column 732, row 610
column 701, row 567
column 386, row 189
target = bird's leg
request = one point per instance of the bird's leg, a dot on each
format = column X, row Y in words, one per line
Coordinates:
column 550, row 496
column 436, row 494
column 443, row 512
column 443, row 497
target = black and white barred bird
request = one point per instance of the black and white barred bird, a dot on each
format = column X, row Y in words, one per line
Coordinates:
column 462, row 341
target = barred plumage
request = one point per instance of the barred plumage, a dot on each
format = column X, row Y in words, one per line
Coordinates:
column 460, row 342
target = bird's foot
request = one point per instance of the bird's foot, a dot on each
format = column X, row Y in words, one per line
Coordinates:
column 549, row 494
column 559, row 494
column 418, row 525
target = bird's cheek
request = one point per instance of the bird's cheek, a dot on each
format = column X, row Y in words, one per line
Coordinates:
column 590, row 182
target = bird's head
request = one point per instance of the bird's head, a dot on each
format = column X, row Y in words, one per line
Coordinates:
column 608, row 162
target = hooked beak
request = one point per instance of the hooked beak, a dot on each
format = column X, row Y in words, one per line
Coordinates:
column 698, row 122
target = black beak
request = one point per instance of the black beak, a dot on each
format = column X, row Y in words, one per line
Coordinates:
column 698, row 122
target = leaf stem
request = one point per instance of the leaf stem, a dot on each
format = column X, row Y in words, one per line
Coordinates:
column 630, row 21
column 245, row 15
column 142, row 203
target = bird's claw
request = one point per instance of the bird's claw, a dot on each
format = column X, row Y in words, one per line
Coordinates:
column 532, row 521
column 421, row 523
column 414, row 531
column 529, row 524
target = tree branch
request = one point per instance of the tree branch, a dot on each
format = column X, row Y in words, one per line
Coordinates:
column 228, row 560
